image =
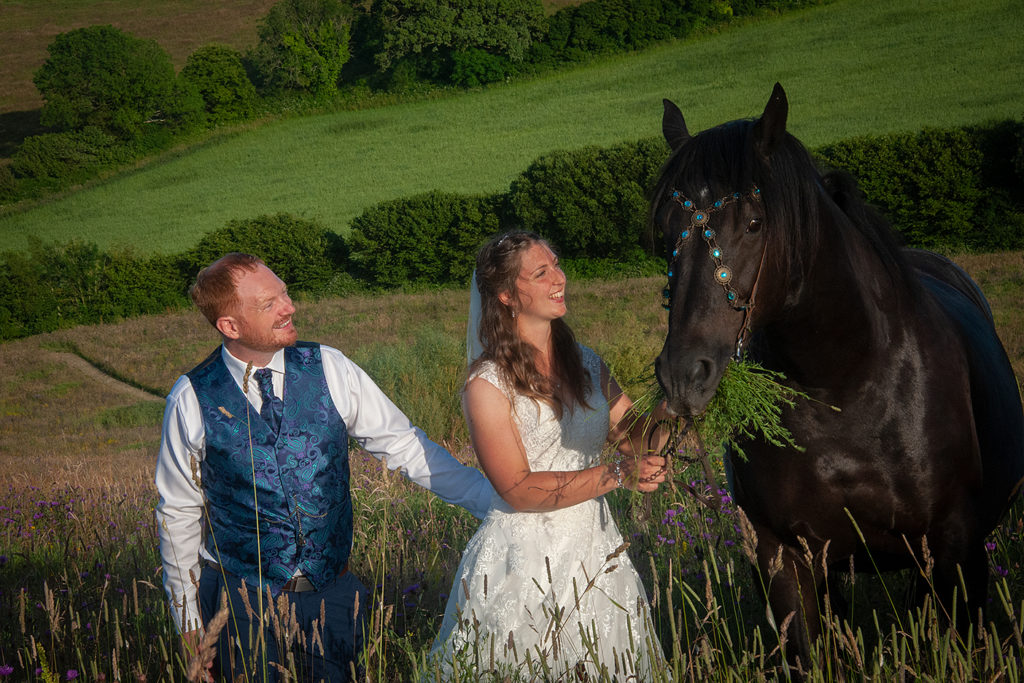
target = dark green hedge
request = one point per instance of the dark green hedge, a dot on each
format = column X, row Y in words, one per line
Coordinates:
column 944, row 189
column 934, row 187
column 60, row 285
column 427, row 239
column 55, row 285
column 591, row 202
column 302, row 252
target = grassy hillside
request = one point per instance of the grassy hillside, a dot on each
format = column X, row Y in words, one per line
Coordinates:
column 850, row 67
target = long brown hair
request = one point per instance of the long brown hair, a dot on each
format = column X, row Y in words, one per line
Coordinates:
column 498, row 264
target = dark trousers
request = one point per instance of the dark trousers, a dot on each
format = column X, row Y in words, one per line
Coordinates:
column 341, row 631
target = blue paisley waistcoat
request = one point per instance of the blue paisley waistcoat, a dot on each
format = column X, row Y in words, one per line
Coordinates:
column 302, row 513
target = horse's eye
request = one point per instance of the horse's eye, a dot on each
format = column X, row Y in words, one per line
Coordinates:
column 754, row 225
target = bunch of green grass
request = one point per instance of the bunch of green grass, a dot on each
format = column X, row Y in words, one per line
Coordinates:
column 748, row 404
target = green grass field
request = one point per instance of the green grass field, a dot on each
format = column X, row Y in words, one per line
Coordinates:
column 851, row 67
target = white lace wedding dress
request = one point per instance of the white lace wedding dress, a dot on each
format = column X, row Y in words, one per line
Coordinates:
column 548, row 595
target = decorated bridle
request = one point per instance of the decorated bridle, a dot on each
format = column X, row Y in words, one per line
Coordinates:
column 723, row 274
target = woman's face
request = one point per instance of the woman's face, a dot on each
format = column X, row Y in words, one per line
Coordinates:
column 540, row 285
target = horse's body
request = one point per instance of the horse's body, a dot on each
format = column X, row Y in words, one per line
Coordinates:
column 928, row 445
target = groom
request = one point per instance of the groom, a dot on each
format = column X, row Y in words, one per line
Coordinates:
column 253, row 476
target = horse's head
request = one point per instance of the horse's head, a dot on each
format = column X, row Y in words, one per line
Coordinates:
column 721, row 205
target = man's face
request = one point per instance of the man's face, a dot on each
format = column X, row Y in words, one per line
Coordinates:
column 264, row 315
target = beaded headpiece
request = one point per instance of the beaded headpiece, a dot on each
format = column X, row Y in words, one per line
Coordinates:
column 699, row 222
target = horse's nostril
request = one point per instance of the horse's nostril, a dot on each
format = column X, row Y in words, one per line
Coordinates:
column 700, row 373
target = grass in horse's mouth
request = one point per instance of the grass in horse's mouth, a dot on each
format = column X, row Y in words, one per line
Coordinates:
column 747, row 404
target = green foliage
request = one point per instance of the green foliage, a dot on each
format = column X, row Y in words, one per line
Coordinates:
column 217, row 73
column 426, row 239
column 302, row 252
column 634, row 263
column 577, row 32
column 438, row 27
column 60, row 285
column 591, row 202
column 8, row 184
column 62, row 158
column 748, row 404
column 927, row 183
column 473, row 67
column 101, row 76
column 303, row 46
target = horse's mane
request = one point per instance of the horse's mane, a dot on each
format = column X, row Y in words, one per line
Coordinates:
column 722, row 160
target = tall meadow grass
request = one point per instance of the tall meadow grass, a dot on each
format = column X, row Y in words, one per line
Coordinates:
column 80, row 585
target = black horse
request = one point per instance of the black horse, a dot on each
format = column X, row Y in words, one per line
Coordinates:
column 772, row 258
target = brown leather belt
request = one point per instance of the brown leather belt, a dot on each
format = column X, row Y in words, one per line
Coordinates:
column 296, row 584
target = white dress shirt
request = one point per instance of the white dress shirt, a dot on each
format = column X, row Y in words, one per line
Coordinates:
column 372, row 420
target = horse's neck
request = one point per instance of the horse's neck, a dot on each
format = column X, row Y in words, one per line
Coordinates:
column 847, row 314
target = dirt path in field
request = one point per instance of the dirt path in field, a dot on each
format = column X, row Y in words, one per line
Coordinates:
column 91, row 371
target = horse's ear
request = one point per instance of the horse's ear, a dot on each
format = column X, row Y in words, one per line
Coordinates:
column 770, row 129
column 673, row 127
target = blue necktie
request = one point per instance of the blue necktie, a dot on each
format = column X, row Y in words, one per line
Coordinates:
column 272, row 408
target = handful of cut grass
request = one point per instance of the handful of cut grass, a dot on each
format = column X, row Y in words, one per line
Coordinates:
column 748, row 403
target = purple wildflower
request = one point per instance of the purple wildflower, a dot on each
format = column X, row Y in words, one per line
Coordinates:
column 72, row 674
column 6, row 670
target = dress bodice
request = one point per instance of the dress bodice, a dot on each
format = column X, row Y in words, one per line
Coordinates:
column 573, row 442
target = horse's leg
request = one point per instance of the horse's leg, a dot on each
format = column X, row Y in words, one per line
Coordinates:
column 972, row 563
column 956, row 553
column 793, row 595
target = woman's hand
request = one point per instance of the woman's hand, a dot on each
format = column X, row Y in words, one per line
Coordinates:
column 643, row 474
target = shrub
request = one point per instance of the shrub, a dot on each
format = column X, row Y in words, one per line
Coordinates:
column 303, row 45
column 430, row 238
column 302, row 252
column 218, row 75
column 70, row 157
column 440, row 29
column 101, row 76
column 8, row 184
column 473, row 67
column 591, row 202
column 56, row 285
column 27, row 306
column 927, row 183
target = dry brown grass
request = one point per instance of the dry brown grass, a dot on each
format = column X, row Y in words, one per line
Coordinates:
column 27, row 27
column 1001, row 277
column 55, row 425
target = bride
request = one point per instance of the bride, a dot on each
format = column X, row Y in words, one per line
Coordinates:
column 545, row 589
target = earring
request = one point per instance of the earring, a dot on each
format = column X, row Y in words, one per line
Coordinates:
column 513, row 313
